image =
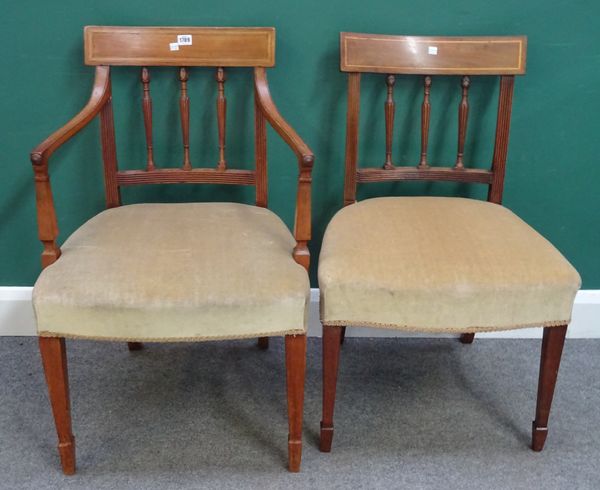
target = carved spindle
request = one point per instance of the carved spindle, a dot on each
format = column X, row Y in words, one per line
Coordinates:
column 221, row 113
column 184, row 106
column 147, row 106
column 425, row 114
column 390, row 109
column 463, row 113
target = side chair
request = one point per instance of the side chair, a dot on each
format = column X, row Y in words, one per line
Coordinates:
column 184, row 271
column 438, row 264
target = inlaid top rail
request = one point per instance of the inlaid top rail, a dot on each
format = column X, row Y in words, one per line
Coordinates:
column 419, row 55
column 180, row 46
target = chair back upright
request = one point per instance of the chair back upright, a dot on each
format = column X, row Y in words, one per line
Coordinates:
column 428, row 56
column 181, row 47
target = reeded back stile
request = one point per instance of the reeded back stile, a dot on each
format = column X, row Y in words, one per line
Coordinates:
column 430, row 56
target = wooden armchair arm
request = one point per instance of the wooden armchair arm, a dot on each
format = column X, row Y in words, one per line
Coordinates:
column 47, row 224
column 269, row 109
column 100, row 94
column 306, row 158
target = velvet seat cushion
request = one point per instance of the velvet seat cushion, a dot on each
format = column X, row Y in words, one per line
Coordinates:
column 175, row 272
column 438, row 264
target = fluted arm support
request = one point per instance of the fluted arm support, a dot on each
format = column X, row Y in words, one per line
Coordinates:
column 306, row 158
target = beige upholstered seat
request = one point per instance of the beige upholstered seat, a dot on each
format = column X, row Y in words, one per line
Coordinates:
column 174, row 272
column 442, row 265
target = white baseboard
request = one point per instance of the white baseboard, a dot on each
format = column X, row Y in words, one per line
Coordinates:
column 16, row 312
column 16, row 318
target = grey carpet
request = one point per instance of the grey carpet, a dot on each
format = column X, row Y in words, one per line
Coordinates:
column 411, row 413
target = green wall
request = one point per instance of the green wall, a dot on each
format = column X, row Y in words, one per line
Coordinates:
column 553, row 176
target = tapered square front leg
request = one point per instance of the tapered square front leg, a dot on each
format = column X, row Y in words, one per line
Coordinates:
column 552, row 347
column 332, row 337
column 295, row 363
column 54, row 359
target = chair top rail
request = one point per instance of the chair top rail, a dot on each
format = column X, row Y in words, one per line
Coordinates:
column 433, row 55
column 180, row 46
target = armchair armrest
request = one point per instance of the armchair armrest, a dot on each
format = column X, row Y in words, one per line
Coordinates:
column 47, row 223
column 100, row 94
column 306, row 158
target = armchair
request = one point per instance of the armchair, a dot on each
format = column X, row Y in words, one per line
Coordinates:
column 175, row 272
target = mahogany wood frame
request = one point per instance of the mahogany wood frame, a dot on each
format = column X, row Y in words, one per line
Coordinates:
column 222, row 47
column 427, row 56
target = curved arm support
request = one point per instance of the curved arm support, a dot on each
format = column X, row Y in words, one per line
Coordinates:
column 306, row 158
column 100, row 95
column 47, row 224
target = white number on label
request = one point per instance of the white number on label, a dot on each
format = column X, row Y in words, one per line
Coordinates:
column 184, row 39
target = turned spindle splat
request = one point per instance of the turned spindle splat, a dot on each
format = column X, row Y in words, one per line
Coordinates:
column 221, row 116
column 390, row 110
column 147, row 108
column 463, row 114
column 425, row 117
column 184, row 107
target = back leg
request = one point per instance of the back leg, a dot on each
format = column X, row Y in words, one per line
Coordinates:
column 467, row 338
column 263, row 343
column 133, row 346
column 54, row 359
